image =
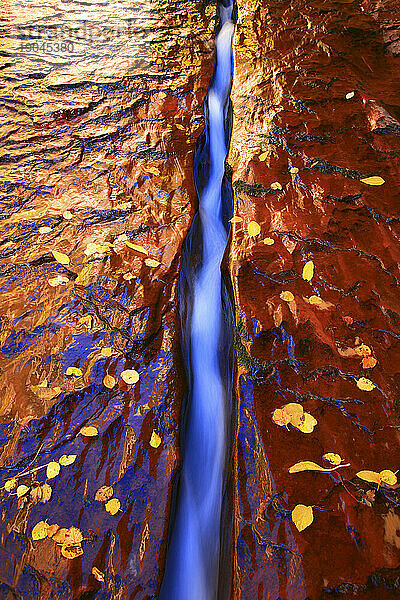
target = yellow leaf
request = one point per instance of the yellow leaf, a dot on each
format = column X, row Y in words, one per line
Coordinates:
column 275, row 186
column 153, row 170
column 67, row 459
column 60, row 535
column 307, row 465
column 294, row 170
column 53, row 470
column 178, row 126
column 333, row 458
column 60, row 257
column 71, row 552
column 67, row 215
column 315, row 300
column 89, row 431
column 307, row 424
column 308, row 270
column 136, row 247
column 91, row 249
column 52, row 530
column 155, row 440
column 73, row 536
column 11, row 484
column 113, row 506
column 109, row 382
column 98, row 575
column 269, row 241
column 302, row 516
column 369, row 362
column 294, row 411
column 365, row 384
column 46, row 492
column 130, row 376
column 370, row 476
column 36, row 495
column 363, row 350
column 388, row 477
column 104, row 493
column 375, row 180
column 39, row 532
column 236, row 219
column 22, row 490
column 150, row 262
column 286, row 296
column 263, row 156
column 253, row 229
column 280, row 417
column 162, row 95
column 44, row 229
column 58, row 280
column 73, row 371
column 128, row 276
column 106, row 352
column 349, row 95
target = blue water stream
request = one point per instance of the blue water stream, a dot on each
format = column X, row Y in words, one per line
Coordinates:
column 193, row 554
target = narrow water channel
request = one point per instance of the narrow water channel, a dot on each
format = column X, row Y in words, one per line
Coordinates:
column 194, row 550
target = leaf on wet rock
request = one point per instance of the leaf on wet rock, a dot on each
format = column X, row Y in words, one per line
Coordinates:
column 253, row 229
column 36, row 495
column 155, row 440
column 268, row 241
column 370, row 476
column 67, row 215
column 46, row 493
column 98, row 575
column 67, row 459
column 22, row 490
column 375, row 180
column 280, row 417
column 263, row 156
column 109, row 382
column 333, row 458
column 349, row 95
column 73, row 536
column 153, row 170
column 136, row 247
column 52, row 530
column 286, row 296
column 104, row 493
column 53, row 469
column 365, row 384
column 11, row 484
column 71, row 552
column 388, row 477
column 236, row 219
column 39, row 532
column 307, row 465
column 275, row 186
column 130, row 376
column 369, row 362
column 106, row 351
column 58, row 280
column 308, row 270
column 89, row 431
column 73, row 371
column 44, row 229
column 150, row 262
column 315, row 300
column 60, row 535
column 61, row 258
column 302, row 516
column 307, row 424
column 113, row 506
column 363, row 350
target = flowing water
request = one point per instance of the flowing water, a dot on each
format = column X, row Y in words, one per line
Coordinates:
column 193, row 557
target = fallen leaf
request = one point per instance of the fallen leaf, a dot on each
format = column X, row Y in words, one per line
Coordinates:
column 307, row 424
column 268, row 241
column 22, row 490
column 39, row 532
column 98, row 574
column 302, row 516
column 253, row 229
column 36, row 495
column 349, row 95
column 275, row 186
column 388, row 477
column 91, row 248
column 106, row 352
column 136, row 247
column 89, row 431
column 363, row 350
column 52, row 470
column 67, row 459
column 236, row 219
column 113, row 506
column 58, row 280
column 333, row 458
column 73, row 371
column 150, row 262
column 307, row 465
column 67, row 215
column 315, row 300
column 46, row 492
column 11, row 484
column 294, row 170
column 52, row 530
column 280, row 417
column 286, row 296
column 365, row 384
column 60, row 535
column 109, row 382
column 153, row 170
column 104, row 493
column 73, row 536
column 61, row 258
column 71, row 552
column 44, row 229
column 369, row 362
column 128, row 276
column 375, row 180
column 130, row 376
column 162, row 95
column 155, row 440
column 263, row 156
column 308, row 270
column 370, row 476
